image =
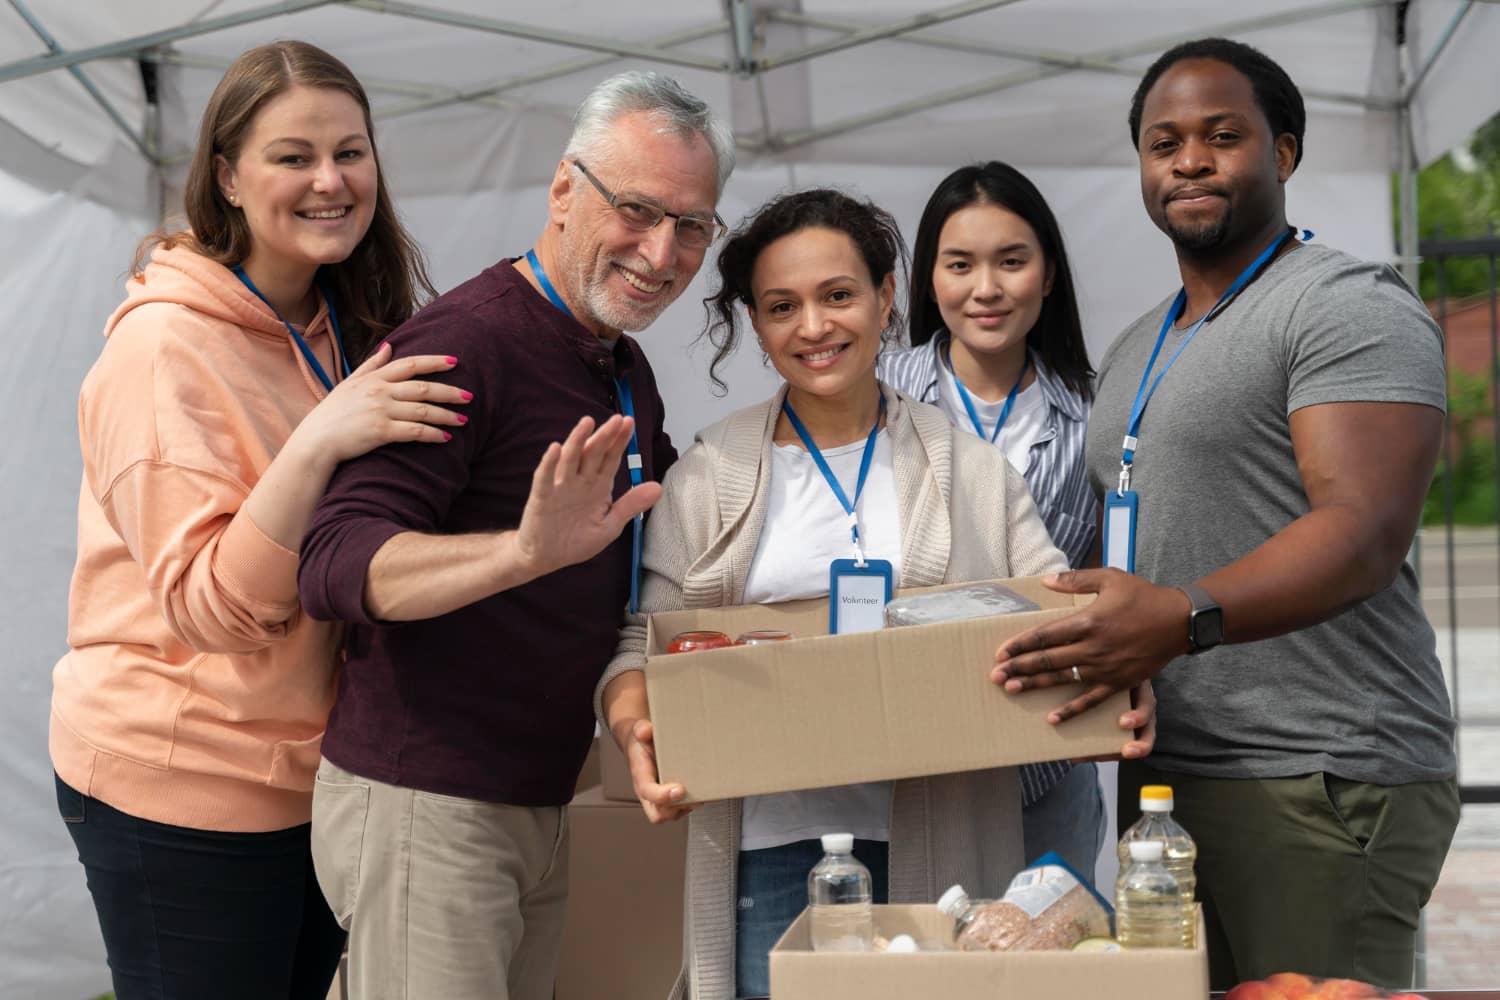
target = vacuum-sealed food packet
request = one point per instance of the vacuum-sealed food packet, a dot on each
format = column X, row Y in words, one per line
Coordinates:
column 975, row 600
column 1047, row 908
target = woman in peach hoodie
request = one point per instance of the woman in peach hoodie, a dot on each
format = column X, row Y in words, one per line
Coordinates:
column 187, row 714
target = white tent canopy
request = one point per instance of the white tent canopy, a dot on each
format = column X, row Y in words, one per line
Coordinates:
column 878, row 81
column 99, row 104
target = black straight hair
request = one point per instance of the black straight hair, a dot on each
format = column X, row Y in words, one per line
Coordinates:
column 870, row 228
column 1278, row 97
column 1057, row 336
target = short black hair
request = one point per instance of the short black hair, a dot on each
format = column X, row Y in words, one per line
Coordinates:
column 872, row 230
column 1278, row 97
column 1057, row 335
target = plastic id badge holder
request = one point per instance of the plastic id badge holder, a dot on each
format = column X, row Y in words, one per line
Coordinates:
column 857, row 595
column 1120, row 508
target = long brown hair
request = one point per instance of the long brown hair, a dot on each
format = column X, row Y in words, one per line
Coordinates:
column 382, row 282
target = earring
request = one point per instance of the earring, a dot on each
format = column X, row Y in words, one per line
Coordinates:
column 234, row 200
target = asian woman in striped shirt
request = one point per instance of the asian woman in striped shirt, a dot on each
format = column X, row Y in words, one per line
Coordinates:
column 997, row 345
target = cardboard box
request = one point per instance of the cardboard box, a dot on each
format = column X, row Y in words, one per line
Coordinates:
column 588, row 775
column 823, row 710
column 614, row 772
column 623, row 935
column 799, row 973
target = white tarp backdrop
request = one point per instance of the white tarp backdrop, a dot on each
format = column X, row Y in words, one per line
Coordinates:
column 472, row 101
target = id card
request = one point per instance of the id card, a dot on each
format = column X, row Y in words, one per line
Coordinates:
column 857, row 595
column 1119, row 529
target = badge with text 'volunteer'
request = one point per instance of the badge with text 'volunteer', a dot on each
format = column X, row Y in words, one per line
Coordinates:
column 858, row 588
column 858, row 591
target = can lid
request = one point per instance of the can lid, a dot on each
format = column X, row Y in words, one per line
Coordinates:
column 1146, row 850
column 841, row 843
column 1156, row 798
column 954, row 901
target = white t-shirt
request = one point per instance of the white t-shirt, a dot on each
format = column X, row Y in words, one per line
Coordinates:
column 805, row 530
column 1027, row 420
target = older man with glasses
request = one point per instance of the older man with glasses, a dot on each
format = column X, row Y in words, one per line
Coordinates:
column 484, row 579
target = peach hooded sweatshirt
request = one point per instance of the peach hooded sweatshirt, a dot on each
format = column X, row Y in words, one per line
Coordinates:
column 195, row 691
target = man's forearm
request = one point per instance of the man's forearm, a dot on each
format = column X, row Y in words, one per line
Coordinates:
column 1312, row 570
column 414, row 576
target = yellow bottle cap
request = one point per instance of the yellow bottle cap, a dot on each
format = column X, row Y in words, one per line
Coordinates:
column 1157, row 796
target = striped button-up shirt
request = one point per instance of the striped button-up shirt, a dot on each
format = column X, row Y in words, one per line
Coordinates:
column 1054, row 471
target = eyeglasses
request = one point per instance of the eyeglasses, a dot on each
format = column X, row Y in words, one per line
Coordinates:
column 692, row 230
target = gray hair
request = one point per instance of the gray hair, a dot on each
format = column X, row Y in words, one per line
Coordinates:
column 661, row 97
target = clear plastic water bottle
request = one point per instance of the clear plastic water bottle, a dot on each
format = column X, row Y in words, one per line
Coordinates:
column 1179, row 851
column 1148, row 901
column 957, row 904
column 839, row 895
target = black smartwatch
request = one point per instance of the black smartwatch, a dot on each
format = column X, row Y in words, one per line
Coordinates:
column 1205, row 621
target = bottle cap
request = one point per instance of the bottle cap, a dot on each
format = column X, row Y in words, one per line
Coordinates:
column 902, row 943
column 954, row 901
column 840, row 843
column 1156, row 798
column 1146, row 850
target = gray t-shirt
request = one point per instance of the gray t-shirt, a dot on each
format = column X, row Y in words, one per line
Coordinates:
column 1362, row 694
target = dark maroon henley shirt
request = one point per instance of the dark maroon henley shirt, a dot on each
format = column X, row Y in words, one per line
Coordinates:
column 492, row 701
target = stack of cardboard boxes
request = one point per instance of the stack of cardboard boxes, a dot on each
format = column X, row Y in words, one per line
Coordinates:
column 623, row 937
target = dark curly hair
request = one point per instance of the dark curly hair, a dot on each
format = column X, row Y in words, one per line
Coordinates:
column 1278, row 97
column 1057, row 335
column 872, row 230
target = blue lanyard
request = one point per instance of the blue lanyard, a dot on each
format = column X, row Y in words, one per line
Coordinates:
column 633, row 460
column 307, row 352
column 1010, row 400
column 1143, row 394
column 831, row 479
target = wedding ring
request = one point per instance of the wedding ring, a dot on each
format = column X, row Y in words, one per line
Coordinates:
column 1076, row 675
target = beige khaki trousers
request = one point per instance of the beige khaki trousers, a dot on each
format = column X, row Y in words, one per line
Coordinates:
column 443, row 897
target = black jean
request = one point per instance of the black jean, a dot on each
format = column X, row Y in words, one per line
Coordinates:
column 199, row 913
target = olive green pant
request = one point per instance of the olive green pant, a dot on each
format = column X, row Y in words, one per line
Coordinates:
column 1312, row 873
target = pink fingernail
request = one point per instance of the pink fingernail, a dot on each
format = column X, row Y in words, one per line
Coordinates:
column 467, row 395
column 447, row 436
column 385, row 345
column 451, row 360
column 461, row 418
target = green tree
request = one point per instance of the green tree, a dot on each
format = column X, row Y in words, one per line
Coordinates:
column 1458, row 196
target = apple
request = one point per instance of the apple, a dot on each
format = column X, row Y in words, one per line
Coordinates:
column 1293, row 984
column 1344, row 989
column 1256, row 990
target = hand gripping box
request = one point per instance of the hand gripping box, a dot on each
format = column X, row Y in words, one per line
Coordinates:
column 822, row 710
column 799, row 973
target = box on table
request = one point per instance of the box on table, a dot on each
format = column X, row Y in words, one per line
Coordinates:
column 822, row 710
column 623, row 934
column 799, row 973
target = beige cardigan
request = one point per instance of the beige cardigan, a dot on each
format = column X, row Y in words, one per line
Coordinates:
column 700, row 541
